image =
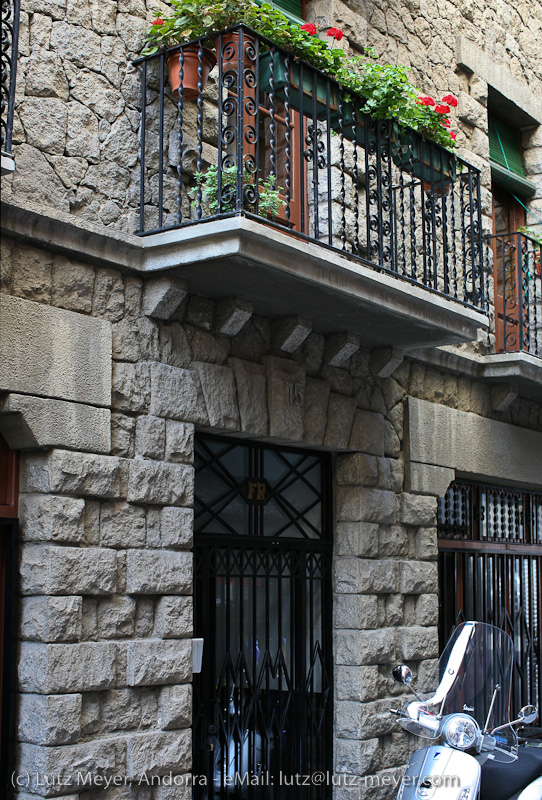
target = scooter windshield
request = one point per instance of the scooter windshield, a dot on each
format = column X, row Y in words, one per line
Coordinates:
column 474, row 677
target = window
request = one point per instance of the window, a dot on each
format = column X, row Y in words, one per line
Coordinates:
column 9, row 478
column 293, row 9
column 490, row 570
column 505, row 153
column 515, row 259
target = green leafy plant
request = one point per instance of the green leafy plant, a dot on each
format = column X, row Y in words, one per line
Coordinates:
column 536, row 235
column 194, row 19
column 269, row 201
column 386, row 89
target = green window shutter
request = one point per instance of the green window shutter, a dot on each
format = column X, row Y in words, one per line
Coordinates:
column 290, row 8
column 504, row 146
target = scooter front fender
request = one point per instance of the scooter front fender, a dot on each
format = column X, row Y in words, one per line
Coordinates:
column 440, row 773
column 533, row 791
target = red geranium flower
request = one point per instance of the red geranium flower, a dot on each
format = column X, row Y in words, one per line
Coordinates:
column 446, row 123
column 450, row 100
column 158, row 21
column 442, row 109
column 453, row 135
column 310, row 28
column 336, row 33
column 425, row 101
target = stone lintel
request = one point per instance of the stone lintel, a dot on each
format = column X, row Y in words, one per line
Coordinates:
column 27, row 423
column 522, row 106
column 428, row 479
column 472, row 445
column 51, row 352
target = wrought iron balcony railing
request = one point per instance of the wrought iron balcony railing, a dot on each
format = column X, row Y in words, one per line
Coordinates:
column 518, row 293
column 10, row 41
column 274, row 124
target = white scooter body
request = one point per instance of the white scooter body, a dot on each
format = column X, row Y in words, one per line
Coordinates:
column 533, row 791
column 468, row 711
column 441, row 773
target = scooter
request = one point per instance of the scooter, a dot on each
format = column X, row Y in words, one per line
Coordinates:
column 479, row 757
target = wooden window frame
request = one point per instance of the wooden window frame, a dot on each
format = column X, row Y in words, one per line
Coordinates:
column 9, row 480
column 8, row 648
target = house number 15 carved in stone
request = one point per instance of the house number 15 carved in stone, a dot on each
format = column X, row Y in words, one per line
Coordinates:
column 295, row 394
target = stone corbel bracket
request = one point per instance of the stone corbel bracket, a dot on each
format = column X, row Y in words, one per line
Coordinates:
column 162, row 296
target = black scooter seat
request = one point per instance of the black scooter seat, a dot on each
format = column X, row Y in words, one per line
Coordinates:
column 502, row 781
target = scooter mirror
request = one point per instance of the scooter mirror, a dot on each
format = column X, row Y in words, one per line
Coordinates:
column 528, row 714
column 402, row 674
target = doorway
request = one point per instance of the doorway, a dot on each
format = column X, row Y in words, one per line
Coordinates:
column 262, row 603
column 510, row 260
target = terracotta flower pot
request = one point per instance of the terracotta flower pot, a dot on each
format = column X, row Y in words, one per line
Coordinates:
column 190, row 70
column 230, row 50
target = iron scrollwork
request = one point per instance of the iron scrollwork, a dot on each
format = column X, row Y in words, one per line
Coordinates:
column 10, row 36
column 418, row 206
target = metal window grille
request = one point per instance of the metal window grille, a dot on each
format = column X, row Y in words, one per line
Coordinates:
column 490, row 569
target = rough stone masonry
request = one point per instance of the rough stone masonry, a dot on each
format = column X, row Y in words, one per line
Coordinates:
column 118, row 372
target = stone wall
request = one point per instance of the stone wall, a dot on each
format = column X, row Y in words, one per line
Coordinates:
column 106, row 569
column 192, row 336
column 385, row 611
column 78, row 94
column 77, row 119
column 106, row 531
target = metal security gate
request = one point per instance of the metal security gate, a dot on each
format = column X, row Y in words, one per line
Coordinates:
column 263, row 701
column 490, row 569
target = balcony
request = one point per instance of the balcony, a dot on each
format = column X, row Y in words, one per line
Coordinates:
column 518, row 294
column 266, row 180
column 10, row 40
column 518, row 313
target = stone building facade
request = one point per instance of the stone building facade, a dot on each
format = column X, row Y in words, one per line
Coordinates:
column 119, row 351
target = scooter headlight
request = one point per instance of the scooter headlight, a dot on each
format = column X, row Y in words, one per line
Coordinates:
column 460, row 731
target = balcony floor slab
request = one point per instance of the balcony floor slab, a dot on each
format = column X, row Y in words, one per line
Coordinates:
column 522, row 370
column 284, row 275
column 281, row 274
